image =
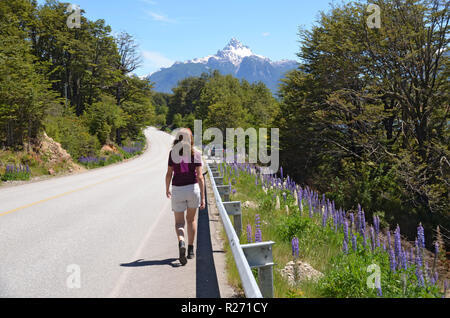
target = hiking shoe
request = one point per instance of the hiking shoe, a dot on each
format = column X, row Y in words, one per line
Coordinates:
column 191, row 254
column 182, row 248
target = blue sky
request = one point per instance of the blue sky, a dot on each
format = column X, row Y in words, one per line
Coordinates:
column 177, row 30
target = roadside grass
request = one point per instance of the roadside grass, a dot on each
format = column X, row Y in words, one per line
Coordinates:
column 277, row 225
column 346, row 273
column 127, row 151
column 23, row 166
column 29, row 165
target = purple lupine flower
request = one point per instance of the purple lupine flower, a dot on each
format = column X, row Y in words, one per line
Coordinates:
column 421, row 236
column 257, row 220
column 258, row 234
column 354, row 243
column 426, row 270
column 300, row 199
column 434, row 278
column 379, row 291
column 436, row 249
column 346, row 231
column 295, row 247
column 281, row 172
column 358, row 218
column 436, row 254
column 392, row 260
column 364, row 239
column 324, row 218
column 363, row 222
column 388, row 235
column 404, row 259
column 284, row 197
column 411, row 257
column 376, row 220
column 377, row 228
column 419, row 261
column 310, row 207
column 420, row 279
column 378, row 240
column 372, row 239
column 249, row 234
column 345, row 247
column 432, row 281
column 352, row 221
column 397, row 242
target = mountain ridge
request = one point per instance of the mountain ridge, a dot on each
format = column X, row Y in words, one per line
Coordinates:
column 235, row 58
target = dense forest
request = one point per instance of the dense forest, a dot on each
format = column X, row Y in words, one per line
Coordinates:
column 74, row 83
column 219, row 101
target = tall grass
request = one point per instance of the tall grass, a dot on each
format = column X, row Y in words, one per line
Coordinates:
column 321, row 238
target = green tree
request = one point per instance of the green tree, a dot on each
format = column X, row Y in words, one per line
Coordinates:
column 367, row 103
column 24, row 90
column 103, row 118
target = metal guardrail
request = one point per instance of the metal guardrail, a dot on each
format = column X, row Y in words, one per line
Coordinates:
column 246, row 257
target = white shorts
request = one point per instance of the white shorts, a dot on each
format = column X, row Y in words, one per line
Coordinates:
column 185, row 197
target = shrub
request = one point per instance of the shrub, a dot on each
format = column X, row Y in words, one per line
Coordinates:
column 73, row 136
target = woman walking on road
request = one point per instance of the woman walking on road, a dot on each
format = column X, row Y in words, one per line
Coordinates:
column 188, row 189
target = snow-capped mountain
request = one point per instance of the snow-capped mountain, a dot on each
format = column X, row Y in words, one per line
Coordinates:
column 236, row 59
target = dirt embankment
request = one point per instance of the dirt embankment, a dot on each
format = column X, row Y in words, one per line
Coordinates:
column 56, row 157
column 45, row 158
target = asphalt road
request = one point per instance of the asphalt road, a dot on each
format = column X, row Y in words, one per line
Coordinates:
column 103, row 233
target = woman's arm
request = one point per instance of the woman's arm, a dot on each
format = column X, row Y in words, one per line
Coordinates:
column 169, row 176
column 201, row 183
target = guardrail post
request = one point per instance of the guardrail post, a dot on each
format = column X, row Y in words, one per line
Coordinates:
column 215, row 170
column 265, row 278
column 234, row 209
column 259, row 255
column 224, row 191
column 218, row 180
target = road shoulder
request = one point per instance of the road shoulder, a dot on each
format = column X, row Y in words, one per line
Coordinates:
column 217, row 241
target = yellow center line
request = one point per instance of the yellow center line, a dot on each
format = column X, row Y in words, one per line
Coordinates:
column 66, row 193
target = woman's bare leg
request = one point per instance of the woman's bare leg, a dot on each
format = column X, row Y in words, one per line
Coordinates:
column 179, row 225
column 191, row 225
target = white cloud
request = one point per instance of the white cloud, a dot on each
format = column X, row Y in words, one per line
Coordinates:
column 153, row 61
column 149, row 2
column 160, row 17
column 265, row 34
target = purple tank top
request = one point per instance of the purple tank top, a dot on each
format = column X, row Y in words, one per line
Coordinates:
column 184, row 173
